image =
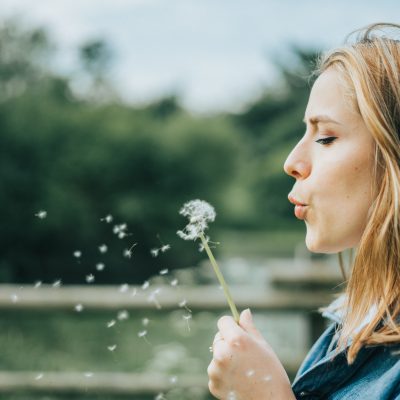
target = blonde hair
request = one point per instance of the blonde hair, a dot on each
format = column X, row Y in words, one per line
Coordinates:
column 370, row 71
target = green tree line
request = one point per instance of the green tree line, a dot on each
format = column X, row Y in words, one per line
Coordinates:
column 82, row 156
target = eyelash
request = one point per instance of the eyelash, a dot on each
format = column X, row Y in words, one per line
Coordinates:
column 326, row 141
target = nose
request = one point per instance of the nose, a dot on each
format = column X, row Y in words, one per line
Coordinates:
column 297, row 163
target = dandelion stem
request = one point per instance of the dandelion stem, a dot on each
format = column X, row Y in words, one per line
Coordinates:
column 220, row 278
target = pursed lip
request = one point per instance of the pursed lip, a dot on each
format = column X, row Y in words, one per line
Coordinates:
column 295, row 201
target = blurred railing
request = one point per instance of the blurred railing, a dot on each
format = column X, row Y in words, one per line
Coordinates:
column 200, row 298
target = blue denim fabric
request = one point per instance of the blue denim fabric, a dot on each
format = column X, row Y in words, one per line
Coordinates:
column 374, row 375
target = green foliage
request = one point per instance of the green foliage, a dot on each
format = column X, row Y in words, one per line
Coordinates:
column 80, row 159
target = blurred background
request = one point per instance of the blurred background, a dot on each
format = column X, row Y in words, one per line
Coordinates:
column 112, row 115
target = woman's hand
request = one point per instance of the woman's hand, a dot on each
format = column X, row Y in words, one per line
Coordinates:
column 244, row 366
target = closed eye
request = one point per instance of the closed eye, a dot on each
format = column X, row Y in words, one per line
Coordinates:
column 327, row 140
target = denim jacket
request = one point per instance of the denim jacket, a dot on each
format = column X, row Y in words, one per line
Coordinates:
column 374, row 375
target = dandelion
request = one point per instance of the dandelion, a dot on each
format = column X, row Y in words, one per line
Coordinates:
column 112, row 348
column 42, row 214
column 77, row 254
column 111, row 323
column 78, row 307
column 145, row 285
column 38, row 377
column 123, row 315
column 164, row 271
column 100, row 266
column 38, row 284
column 103, row 248
column 200, row 213
column 90, row 278
column 108, row 218
column 57, row 283
column 154, row 252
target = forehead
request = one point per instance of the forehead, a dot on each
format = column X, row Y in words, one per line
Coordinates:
column 328, row 97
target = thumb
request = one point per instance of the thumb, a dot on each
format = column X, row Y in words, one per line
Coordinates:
column 246, row 322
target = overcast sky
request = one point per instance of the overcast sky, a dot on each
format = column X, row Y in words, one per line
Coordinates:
column 216, row 53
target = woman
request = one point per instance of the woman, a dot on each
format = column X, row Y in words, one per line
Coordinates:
column 347, row 191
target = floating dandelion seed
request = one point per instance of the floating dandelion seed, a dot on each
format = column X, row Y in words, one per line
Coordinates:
column 145, row 285
column 100, row 266
column 38, row 377
column 78, row 307
column 145, row 321
column 42, row 214
column 134, row 292
column 154, row 252
column 231, row 395
column 124, row 288
column 173, row 379
column 111, row 323
column 153, row 298
column 119, row 228
column 174, row 282
column 57, row 283
column 88, row 374
column 164, row 271
column 200, row 213
column 108, row 218
column 123, row 315
column 183, row 304
column 37, row 284
column 187, row 318
column 14, row 298
column 77, row 254
column 250, row 373
column 160, row 396
column 90, row 278
column 112, row 348
column 143, row 334
column 165, row 247
column 103, row 248
column 128, row 252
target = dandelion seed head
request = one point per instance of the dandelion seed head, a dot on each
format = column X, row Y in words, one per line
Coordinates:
column 103, row 248
column 112, row 348
column 77, row 254
column 90, row 278
column 164, row 271
column 111, row 323
column 199, row 213
column 142, row 333
column 42, row 214
column 122, row 315
column 100, row 266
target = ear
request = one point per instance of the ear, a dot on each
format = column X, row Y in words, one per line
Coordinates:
column 246, row 322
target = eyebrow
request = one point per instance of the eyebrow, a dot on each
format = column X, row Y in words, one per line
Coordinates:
column 321, row 119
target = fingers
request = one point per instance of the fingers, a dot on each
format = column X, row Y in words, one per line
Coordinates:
column 246, row 322
column 229, row 329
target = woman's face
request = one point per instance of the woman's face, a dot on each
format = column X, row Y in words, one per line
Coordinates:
column 333, row 167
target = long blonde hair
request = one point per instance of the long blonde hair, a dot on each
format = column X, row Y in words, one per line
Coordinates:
column 370, row 71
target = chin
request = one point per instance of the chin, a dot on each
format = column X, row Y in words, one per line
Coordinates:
column 316, row 245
